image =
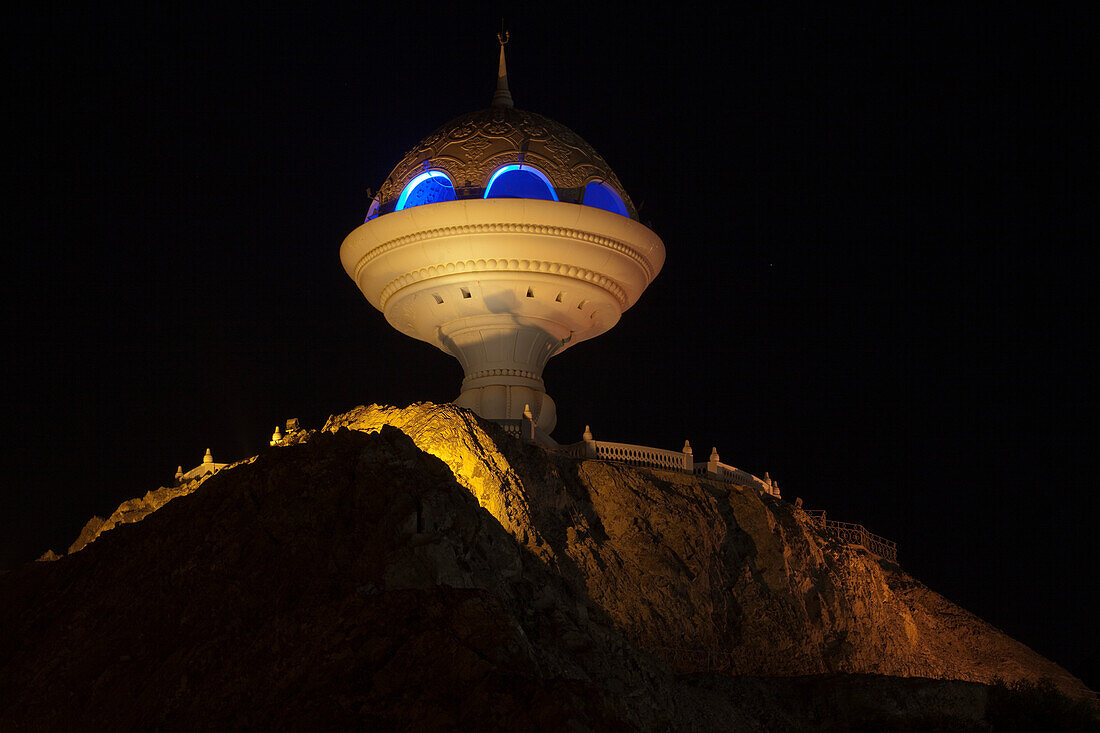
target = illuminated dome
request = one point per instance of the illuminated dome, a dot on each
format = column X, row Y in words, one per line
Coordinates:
column 503, row 239
column 503, row 152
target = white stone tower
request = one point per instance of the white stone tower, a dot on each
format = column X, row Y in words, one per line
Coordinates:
column 502, row 239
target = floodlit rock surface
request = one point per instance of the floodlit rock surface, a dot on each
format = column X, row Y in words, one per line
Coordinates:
column 128, row 512
column 417, row 569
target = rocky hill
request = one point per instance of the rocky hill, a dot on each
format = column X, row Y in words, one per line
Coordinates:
column 418, row 569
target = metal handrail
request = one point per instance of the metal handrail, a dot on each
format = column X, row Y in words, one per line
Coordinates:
column 855, row 534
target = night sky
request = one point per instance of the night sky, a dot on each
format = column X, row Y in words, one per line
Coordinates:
column 880, row 258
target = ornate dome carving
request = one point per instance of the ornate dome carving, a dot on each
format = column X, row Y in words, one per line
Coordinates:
column 471, row 147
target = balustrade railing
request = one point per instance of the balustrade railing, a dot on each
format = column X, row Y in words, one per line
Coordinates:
column 683, row 460
column 734, row 475
column 524, row 428
column 671, row 460
column 640, row 455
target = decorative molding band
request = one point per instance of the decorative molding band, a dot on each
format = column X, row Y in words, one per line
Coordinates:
column 502, row 373
column 502, row 265
column 608, row 242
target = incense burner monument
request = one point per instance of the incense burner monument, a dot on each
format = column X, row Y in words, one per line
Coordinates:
column 503, row 239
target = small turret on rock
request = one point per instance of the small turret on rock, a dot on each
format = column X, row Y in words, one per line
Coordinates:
column 292, row 434
column 206, row 468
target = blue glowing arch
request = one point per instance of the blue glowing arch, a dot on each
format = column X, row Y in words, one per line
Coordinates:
column 519, row 181
column 602, row 196
column 372, row 211
column 430, row 187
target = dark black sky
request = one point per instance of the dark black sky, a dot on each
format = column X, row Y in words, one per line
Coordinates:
column 880, row 258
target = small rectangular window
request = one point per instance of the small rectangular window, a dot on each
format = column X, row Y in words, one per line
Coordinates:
column 582, row 304
column 530, row 293
column 560, row 296
column 465, row 292
column 438, row 300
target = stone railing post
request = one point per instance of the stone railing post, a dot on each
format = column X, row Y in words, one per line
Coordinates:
column 527, row 424
column 689, row 458
column 589, row 443
column 712, row 462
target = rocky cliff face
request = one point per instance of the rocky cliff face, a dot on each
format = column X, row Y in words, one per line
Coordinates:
column 707, row 575
column 420, row 569
column 130, row 511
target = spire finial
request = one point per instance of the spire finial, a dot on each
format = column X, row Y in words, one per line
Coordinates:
column 502, row 97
